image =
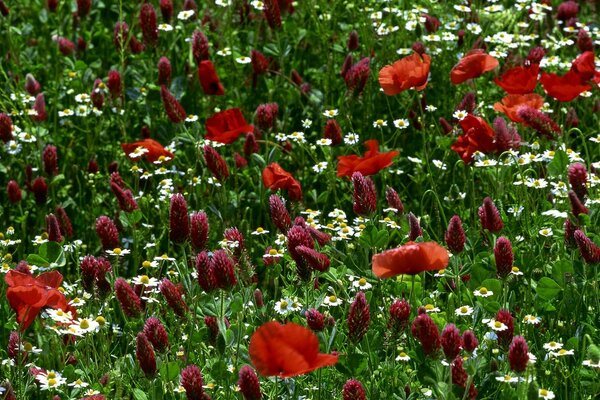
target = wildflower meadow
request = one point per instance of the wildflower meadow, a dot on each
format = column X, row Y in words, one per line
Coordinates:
column 299, row 199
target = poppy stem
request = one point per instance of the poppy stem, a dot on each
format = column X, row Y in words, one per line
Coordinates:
column 412, row 289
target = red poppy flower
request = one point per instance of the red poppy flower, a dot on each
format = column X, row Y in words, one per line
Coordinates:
column 473, row 64
column 155, row 149
column 511, row 103
column 563, row 88
column 274, row 177
column 226, row 126
column 585, row 67
column 477, row 136
column 27, row 295
column 286, row 350
column 369, row 164
column 410, row 259
column 409, row 72
column 519, row 80
column 209, row 79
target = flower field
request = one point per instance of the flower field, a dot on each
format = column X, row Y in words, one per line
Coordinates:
column 233, row 199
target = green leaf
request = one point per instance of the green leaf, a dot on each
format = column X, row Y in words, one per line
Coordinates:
column 258, row 159
column 494, row 285
column 34, row 259
column 548, row 289
column 558, row 165
column 169, row 371
column 138, row 394
column 53, row 253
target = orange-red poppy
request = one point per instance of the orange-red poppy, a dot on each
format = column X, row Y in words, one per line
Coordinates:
column 519, row 80
column 573, row 83
column 511, row 103
column 286, row 350
column 155, row 150
column 209, row 79
column 369, row 164
column 226, row 126
column 410, row 259
column 472, row 65
column 274, row 177
column 27, row 295
column 409, row 72
column 478, row 136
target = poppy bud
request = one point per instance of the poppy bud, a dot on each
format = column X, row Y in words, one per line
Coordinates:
column 517, row 354
column 424, row 329
column 333, row 132
column 266, row 115
column 470, row 341
column 40, row 190
column 53, row 229
column 83, row 7
column 156, row 334
column 191, row 380
column 503, row 254
column 32, row 86
column 359, row 317
column 279, row 214
column 451, row 341
column 364, row 195
column 415, row 227
column 107, row 232
column 65, row 46
column 315, row 320
column 173, row 108
column 199, row 230
column 13, row 192
column 130, row 302
column 399, row 314
column 199, row 47
column 577, row 207
column 455, row 235
column 166, row 9
column 490, row 216
column 39, row 106
column 538, row 121
column 205, row 272
column 173, row 297
column 145, row 355
column 589, row 251
column 317, row 261
column 164, row 71
column 114, row 84
column 215, row 163
column 353, row 390
column 179, row 222
column 352, row 43
column 248, row 383
column 272, row 13
column 224, row 270
column 6, row 127
column 578, row 179
column 148, row 24
column 505, row 336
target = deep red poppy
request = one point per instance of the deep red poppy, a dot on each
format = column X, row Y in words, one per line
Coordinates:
column 410, row 259
column 286, row 350
column 209, row 79
column 274, row 177
column 478, row 136
column 155, row 149
column 226, row 126
column 585, row 67
column 27, row 295
column 472, row 65
column 369, row 164
column 409, row 72
column 573, row 83
column 511, row 103
column 519, row 80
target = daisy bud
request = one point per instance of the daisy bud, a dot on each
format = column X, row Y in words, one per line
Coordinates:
column 505, row 336
column 503, row 254
column 258, row 298
column 315, row 320
column 455, row 235
column 39, row 106
column 279, row 214
column 538, row 121
column 364, row 195
column 107, row 232
column 424, row 329
column 32, row 86
column 6, row 127
column 131, row 304
column 53, row 229
column 224, row 270
column 299, row 236
column 266, row 115
column 393, row 200
column 517, row 354
column 584, row 41
column 415, row 227
column 179, row 222
column 145, row 355
column 166, row 9
column 567, row 10
column 40, row 190
column 199, row 47
column 317, row 261
column 173, row 296
column 506, row 138
column 215, row 163
column 353, row 390
column 352, row 43
column 589, row 251
column 451, row 341
column 577, row 207
column 470, row 341
column 578, row 178
column 359, row 317
column 164, row 71
column 399, row 314
column 148, row 24
column 333, row 132
column 115, row 87
column 13, row 192
column 65, row 222
column 272, row 13
column 248, row 383
column 490, row 216
column 173, row 108
column 199, row 230
column 156, row 334
column 191, row 380
column 205, row 272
